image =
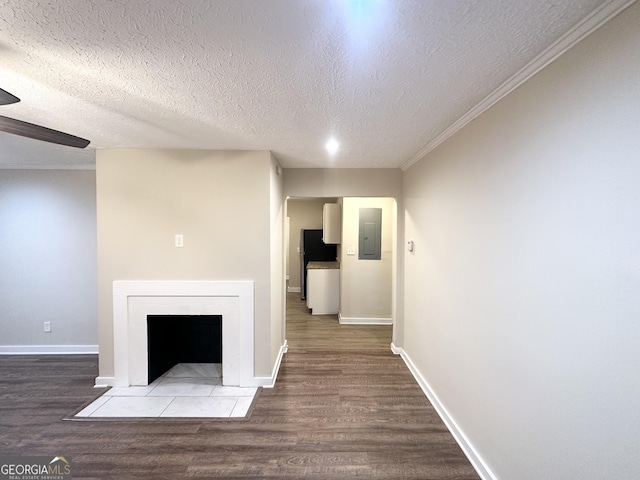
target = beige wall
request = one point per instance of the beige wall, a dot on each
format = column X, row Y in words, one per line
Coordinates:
column 278, row 298
column 222, row 202
column 521, row 298
column 343, row 182
column 366, row 285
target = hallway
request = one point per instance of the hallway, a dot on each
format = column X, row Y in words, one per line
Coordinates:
column 307, row 332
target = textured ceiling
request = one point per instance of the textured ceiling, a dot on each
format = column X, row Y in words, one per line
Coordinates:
column 384, row 77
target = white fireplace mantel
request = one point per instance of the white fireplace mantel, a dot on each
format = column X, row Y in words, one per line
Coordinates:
column 133, row 300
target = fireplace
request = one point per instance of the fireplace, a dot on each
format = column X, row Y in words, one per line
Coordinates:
column 135, row 301
column 174, row 339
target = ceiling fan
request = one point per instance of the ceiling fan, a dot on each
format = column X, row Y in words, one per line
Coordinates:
column 26, row 129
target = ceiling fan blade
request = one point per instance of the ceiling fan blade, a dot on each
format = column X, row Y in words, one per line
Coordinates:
column 6, row 98
column 26, row 129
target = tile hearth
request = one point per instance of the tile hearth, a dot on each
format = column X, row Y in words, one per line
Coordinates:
column 188, row 390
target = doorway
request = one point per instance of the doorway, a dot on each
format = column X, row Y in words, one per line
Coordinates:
column 367, row 287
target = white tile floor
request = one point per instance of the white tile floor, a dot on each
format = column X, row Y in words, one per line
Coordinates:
column 187, row 390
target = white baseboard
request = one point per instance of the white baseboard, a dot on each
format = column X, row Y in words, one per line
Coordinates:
column 270, row 382
column 48, row 349
column 103, row 382
column 293, row 289
column 474, row 457
column 364, row 320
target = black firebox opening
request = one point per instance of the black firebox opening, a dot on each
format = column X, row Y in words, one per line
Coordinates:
column 173, row 339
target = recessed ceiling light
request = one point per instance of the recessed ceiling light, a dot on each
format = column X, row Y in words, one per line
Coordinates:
column 332, row 146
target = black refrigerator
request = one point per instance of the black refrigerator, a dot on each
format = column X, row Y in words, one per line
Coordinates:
column 313, row 249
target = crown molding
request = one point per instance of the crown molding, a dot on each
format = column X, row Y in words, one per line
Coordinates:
column 36, row 166
column 588, row 25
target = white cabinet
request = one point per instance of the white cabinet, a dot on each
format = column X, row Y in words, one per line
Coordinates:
column 323, row 290
column 331, row 223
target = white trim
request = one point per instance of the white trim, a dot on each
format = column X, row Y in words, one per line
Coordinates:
column 182, row 288
column 104, row 382
column 364, row 320
column 293, row 289
column 588, row 25
column 395, row 350
column 472, row 454
column 270, row 382
column 48, row 349
column 233, row 299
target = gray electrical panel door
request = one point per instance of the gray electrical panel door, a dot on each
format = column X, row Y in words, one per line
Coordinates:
column 370, row 234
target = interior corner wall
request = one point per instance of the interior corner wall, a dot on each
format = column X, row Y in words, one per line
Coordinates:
column 219, row 200
column 521, row 297
column 277, row 260
column 366, row 285
column 48, row 258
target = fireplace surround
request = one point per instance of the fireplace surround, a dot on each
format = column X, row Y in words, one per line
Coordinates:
column 134, row 301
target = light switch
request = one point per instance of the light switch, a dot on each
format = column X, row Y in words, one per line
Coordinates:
column 179, row 240
column 351, row 251
column 47, row 327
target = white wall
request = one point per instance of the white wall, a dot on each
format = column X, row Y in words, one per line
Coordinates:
column 48, row 258
column 522, row 303
column 227, row 204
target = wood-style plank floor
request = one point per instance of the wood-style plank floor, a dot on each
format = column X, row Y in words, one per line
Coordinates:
column 323, row 332
column 343, row 407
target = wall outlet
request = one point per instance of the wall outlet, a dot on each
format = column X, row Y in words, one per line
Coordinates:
column 351, row 251
column 179, row 240
column 47, row 327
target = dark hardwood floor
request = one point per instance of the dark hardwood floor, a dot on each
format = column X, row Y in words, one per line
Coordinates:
column 323, row 332
column 340, row 409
